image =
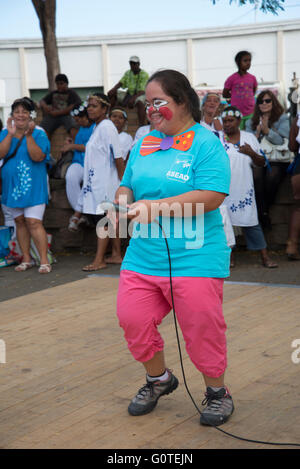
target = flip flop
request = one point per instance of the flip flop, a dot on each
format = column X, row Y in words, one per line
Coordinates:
column 92, row 268
column 269, row 264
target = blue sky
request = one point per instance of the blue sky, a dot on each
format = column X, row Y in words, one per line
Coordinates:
column 92, row 17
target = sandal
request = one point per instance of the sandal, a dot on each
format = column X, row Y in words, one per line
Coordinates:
column 92, row 268
column 292, row 251
column 45, row 269
column 24, row 266
column 269, row 264
column 73, row 223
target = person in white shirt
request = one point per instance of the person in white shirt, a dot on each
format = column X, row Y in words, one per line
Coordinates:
column 119, row 117
column 103, row 170
column 244, row 151
column 210, row 112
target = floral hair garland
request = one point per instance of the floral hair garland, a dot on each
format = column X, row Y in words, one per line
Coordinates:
column 80, row 109
column 232, row 113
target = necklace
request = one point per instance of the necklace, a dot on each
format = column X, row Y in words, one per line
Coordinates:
column 236, row 145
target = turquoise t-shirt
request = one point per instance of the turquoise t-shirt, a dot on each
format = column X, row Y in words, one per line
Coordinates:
column 82, row 137
column 24, row 181
column 197, row 244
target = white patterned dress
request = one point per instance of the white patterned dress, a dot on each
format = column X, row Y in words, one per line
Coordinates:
column 241, row 202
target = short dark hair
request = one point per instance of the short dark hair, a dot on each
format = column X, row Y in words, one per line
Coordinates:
column 240, row 55
column 26, row 102
column 61, row 77
column 176, row 85
column 103, row 99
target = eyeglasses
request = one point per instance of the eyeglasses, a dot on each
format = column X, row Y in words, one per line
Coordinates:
column 266, row 100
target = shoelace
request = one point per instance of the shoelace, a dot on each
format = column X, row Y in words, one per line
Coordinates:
column 144, row 389
column 213, row 399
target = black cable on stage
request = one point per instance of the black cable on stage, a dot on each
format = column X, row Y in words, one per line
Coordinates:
column 182, row 368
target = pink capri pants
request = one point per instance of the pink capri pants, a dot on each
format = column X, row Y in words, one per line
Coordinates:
column 144, row 300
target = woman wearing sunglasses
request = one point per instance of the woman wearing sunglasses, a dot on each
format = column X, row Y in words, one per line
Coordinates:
column 271, row 126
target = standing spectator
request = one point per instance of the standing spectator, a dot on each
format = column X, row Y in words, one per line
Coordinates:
column 103, row 170
column 241, row 87
column 141, row 132
column 57, row 106
column 292, row 249
column 25, row 150
column 134, row 81
column 210, row 112
column 119, row 117
column 244, row 151
column 74, row 174
column 271, row 127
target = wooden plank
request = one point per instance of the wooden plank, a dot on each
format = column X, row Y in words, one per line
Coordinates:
column 69, row 376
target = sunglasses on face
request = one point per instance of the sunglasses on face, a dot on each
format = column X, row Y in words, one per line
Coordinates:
column 266, row 100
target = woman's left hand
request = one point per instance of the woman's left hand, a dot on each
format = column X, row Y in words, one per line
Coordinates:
column 143, row 211
column 246, row 149
column 30, row 129
column 265, row 124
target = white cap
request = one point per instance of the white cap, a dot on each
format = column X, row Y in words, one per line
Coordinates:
column 134, row 58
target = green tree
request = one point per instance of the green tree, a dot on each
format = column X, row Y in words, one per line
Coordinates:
column 272, row 6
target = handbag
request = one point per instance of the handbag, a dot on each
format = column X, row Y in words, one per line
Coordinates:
column 58, row 171
column 278, row 153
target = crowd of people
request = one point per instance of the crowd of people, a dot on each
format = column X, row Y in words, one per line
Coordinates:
column 254, row 130
column 227, row 154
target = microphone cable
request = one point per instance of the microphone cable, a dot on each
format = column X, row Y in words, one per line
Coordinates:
column 232, row 435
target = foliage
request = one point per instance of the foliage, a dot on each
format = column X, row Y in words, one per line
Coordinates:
column 266, row 6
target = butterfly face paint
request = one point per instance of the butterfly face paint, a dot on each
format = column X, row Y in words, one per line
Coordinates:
column 159, row 105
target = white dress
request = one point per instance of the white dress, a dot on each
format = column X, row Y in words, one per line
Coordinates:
column 100, row 177
column 126, row 143
column 141, row 132
column 228, row 229
column 241, row 202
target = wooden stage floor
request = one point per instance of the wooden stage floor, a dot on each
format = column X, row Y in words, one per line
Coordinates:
column 68, row 376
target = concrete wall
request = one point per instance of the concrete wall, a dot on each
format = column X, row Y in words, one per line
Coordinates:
column 204, row 55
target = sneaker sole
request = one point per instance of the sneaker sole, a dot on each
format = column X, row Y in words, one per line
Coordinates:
column 134, row 410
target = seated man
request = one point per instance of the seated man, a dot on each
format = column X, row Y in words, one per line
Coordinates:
column 57, row 106
column 134, row 80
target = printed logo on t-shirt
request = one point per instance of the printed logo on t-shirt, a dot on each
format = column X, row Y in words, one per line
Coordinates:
column 180, row 168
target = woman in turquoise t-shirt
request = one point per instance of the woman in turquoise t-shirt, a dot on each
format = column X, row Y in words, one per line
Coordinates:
column 25, row 150
column 183, row 167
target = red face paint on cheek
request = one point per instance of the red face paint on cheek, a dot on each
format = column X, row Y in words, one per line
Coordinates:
column 166, row 113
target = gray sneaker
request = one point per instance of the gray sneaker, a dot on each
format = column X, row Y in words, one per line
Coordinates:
column 147, row 397
column 219, row 407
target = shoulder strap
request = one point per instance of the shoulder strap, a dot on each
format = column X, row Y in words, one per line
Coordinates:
column 14, row 152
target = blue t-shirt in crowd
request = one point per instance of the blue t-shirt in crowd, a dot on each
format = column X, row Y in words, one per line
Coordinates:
column 197, row 244
column 24, row 181
column 82, row 138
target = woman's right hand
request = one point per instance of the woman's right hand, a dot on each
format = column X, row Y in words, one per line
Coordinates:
column 11, row 126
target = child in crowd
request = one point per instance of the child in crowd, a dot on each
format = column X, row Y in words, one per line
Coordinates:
column 119, row 117
column 74, row 175
column 241, row 86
